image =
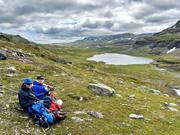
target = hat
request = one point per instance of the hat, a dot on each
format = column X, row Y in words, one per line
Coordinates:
column 40, row 77
column 27, row 81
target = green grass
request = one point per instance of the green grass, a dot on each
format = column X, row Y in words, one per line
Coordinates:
column 74, row 79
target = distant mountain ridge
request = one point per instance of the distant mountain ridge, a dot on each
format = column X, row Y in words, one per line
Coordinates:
column 17, row 39
column 103, row 41
column 153, row 43
column 162, row 41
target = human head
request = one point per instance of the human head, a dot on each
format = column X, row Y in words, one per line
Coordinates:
column 28, row 82
column 40, row 79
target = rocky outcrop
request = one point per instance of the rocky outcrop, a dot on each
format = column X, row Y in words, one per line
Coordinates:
column 17, row 54
column 101, row 89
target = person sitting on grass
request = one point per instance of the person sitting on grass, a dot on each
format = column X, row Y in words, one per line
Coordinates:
column 43, row 92
column 30, row 103
column 40, row 88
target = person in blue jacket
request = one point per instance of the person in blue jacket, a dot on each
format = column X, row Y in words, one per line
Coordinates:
column 39, row 88
column 41, row 91
column 30, row 103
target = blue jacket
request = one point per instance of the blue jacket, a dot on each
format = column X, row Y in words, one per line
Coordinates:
column 39, row 90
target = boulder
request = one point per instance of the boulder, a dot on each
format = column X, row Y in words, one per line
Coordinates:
column 136, row 116
column 101, row 89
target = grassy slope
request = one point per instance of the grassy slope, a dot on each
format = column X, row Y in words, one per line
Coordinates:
column 75, row 79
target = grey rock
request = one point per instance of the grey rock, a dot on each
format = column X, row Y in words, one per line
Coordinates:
column 3, row 55
column 131, row 96
column 172, row 109
column 7, row 106
column 154, row 91
column 171, row 106
column 77, row 119
column 1, row 95
column 166, row 95
column 118, row 95
column 10, row 75
column 87, row 119
column 11, row 69
column 96, row 114
column 119, row 82
column 136, row 116
column 176, row 88
column 79, row 112
column 101, row 89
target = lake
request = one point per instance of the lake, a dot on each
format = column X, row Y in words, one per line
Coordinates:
column 119, row 59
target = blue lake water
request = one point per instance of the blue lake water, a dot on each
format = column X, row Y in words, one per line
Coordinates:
column 119, row 59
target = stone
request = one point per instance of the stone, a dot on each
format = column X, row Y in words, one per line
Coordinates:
column 170, row 104
column 172, row 109
column 96, row 114
column 2, row 55
column 1, row 95
column 166, row 95
column 81, row 99
column 118, row 95
column 87, row 119
column 79, row 112
column 136, row 116
column 10, row 75
column 7, row 106
column 131, row 96
column 154, row 91
column 101, row 89
column 77, row 119
column 119, row 82
column 11, row 69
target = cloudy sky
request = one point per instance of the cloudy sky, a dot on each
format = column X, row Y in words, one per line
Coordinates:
column 54, row 21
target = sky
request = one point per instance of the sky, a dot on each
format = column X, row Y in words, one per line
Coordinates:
column 57, row 21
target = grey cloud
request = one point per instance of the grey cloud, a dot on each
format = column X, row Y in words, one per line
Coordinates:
column 57, row 19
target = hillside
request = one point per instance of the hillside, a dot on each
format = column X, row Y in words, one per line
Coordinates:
column 140, row 89
column 17, row 39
